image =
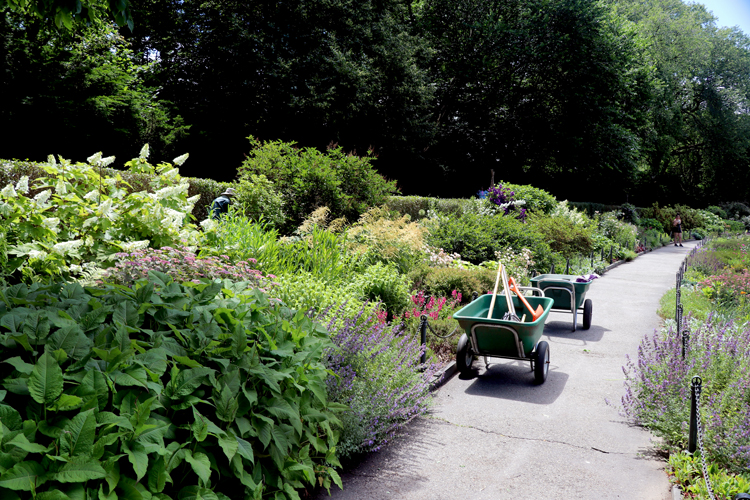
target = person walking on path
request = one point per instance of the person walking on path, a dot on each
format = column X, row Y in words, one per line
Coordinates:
column 677, row 230
column 220, row 205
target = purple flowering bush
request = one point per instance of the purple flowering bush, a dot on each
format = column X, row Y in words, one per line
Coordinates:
column 658, row 387
column 376, row 373
column 183, row 265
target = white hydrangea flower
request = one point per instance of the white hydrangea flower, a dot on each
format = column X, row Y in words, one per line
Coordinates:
column 171, row 191
column 94, row 158
column 144, row 152
column 107, row 211
column 132, row 246
column 76, row 269
column 181, row 159
column 51, row 160
column 105, row 162
column 91, row 195
column 110, row 181
column 8, row 191
column 51, row 223
column 64, row 247
column 172, row 172
column 88, row 222
column 37, row 254
column 208, row 224
column 107, row 236
column 60, row 187
column 22, row 186
column 194, row 199
column 41, row 198
column 173, row 219
column 5, row 209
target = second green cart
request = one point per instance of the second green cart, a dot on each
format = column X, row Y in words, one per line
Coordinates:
column 568, row 295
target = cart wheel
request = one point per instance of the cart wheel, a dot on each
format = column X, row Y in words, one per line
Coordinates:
column 464, row 356
column 588, row 307
column 541, row 362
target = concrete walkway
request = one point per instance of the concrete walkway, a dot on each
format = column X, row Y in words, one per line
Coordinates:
column 496, row 435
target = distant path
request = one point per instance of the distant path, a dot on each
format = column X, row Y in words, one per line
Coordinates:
column 499, row 436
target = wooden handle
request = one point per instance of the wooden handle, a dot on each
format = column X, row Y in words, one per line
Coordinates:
column 494, row 292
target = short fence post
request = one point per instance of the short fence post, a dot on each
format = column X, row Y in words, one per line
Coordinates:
column 552, row 269
column 610, row 255
column 423, row 337
column 685, row 341
column 592, row 259
column 567, row 266
column 679, row 317
column 693, row 436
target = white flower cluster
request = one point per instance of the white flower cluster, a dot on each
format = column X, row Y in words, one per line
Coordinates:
column 173, row 219
column 208, row 224
column 518, row 263
column 37, row 255
column 61, row 188
column 144, row 152
column 132, row 246
column 22, row 186
column 8, row 191
column 106, row 210
column 172, row 191
column 571, row 214
column 437, row 257
column 41, row 198
column 65, row 247
column 181, row 159
column 52, row 223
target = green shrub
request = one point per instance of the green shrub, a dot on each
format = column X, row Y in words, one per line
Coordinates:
column 441, row 281
column 308, row 179
column 735, row 226
column 648, row 223
column 592, row 209
column 735, row 210
column 665, row 215
column 381, row 283
column 305, row 292
column 417, row 207
column 162, row 391
column 537, row 200
column 718, row 211
column 476, row 238
column 380, row 236
column 258, row 199
column 562, row 235
column 620, row 232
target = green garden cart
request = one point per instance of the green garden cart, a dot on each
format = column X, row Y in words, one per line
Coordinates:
column 499, row 338
column 568, row 295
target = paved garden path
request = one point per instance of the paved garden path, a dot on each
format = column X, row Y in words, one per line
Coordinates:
column 496, row 435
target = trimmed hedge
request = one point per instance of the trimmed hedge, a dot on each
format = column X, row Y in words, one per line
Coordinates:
column 416, row 207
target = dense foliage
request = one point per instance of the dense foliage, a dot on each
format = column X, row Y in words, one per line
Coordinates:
column 164, row 389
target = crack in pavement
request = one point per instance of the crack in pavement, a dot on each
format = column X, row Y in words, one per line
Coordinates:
column 523, row 438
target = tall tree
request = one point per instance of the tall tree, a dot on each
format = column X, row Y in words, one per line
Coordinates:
column 76, row 93
column 313, row 72
column 544, row 87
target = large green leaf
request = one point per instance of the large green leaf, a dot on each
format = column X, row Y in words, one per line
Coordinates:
column 20, row 441
column 157, row 475
column 229, row 444
column 189, row 380
column 226, row 404
column 70, row 339
column 20, row 365
column 200, row 464
column 138, row 458
column 126, row 313
column 79, row 434
column 46, row 380
column 196, row 493
column 80, row 471
column 199, row 426
column 23, row 476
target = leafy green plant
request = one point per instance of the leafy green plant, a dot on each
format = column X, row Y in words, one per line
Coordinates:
column 562, row 235
column 382, row 283
column 476, row 238
column 441, row 281
column 258, row 199
column 308, row 179
column 686, row 470
column 537, row 200
column 79, row 216
column 304, row 291
column 161, row 391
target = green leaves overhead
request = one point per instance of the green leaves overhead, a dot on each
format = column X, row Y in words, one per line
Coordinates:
column 139, row 408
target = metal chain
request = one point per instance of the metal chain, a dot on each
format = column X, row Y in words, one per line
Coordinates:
column 437, row 334
column 700, row 440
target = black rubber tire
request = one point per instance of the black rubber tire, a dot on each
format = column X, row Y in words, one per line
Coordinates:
column 464, row 356
column 588, row 310
column 541, row 362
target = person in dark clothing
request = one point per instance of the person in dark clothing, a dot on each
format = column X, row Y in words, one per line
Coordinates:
column 220, row 205
column 677, row 230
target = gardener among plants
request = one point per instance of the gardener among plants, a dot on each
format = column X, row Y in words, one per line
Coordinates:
column 677, row 230
column 220, row 205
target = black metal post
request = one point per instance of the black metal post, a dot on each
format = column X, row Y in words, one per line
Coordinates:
column 679, row 317
column 685, row 341
column 693, row 436
column 610, row 255
column 552, row 269
column 592, row 258
column 567, row 266
column 474, row 295
column 423, row 337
